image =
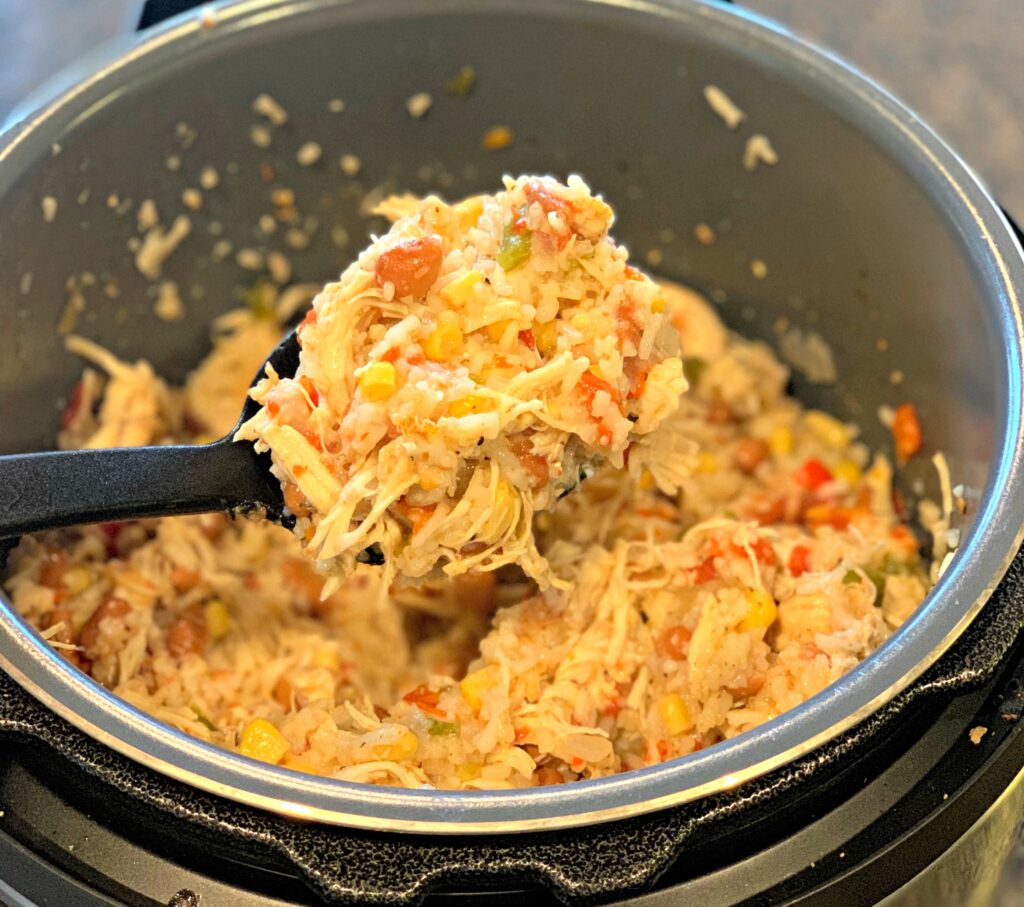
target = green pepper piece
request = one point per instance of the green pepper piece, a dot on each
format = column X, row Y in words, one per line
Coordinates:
column 461, row 84
column 878, row 578
column 203, row 719
column 693, row 368
column 514, row 251
column 442, row 728
column 261, row 298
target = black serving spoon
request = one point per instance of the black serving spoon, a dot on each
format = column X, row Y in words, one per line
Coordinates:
column 65, row 488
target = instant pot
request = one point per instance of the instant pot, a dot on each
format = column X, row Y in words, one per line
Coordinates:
column 901, row 783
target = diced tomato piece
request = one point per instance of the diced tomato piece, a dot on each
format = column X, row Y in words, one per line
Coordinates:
column 904, row 539
column 626, row 328
column 633, row 274
column 812, row 474
column 411, row 266
column 675, row 642
column 799, row 560
column 663, row 749
column 527, row 339
column 590, row 384
column 906, row 431
column 521, row 733
column 417, row 516
column 762, row 549
column 706, row 571
column 313, row 438
column 273, row 407
column 305, row 323
column 536, row 191
column 390, row 355
column 828, row 515
column 518, row 225
column 425, row 700
column 768, row 512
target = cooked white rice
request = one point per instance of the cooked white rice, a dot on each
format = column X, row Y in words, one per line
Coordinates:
column 685, row 619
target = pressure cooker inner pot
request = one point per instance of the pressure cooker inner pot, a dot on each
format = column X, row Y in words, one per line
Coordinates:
column 862, row 239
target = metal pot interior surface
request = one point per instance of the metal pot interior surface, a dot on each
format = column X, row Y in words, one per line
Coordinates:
column 874, row 235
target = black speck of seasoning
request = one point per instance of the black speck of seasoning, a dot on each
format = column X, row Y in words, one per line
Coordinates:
column 372, row 556
column 479, row 442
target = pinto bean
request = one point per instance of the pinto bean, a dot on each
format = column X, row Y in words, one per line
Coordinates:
column 546, row 775
column 90, row 636
column 750, row 453
column 188, row 634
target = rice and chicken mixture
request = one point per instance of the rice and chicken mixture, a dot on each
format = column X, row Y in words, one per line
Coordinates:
column 459, row 376
column 682, row 620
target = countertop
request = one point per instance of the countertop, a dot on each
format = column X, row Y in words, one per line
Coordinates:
column 951, row 60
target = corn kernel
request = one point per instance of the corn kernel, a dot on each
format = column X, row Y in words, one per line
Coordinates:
column 403, row 748
column 298, row 764
column 762, row 613
column 468, row 212
column 802, row 617
column 471, row 405
column 469, row 771
column 76, row 580
column 476, row 685
column 674, row 713
column 781, row 441
column 261, row 740
column 218, row 619
column 646, row 481
column 459, row 291
column 546, row 336
column 658, row 306
column 496, row 329
column 378, row 381
column 582, row 321
column 828, row 429
column 847, row 471
column 707, row 462
column 325, row 658
column 445, row 341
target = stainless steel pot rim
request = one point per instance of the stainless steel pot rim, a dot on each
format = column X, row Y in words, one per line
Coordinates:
column 965, row 587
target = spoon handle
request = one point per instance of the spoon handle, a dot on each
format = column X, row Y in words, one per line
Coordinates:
column 65, row 488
